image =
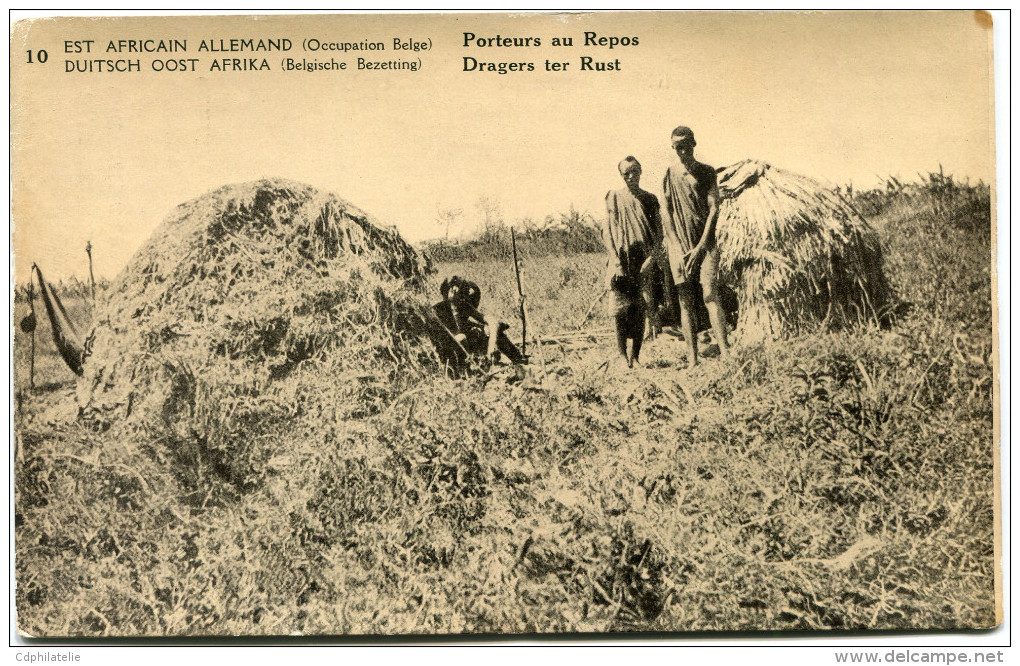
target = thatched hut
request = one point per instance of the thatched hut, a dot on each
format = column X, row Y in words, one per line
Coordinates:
column 799, row 256
column 250, row 304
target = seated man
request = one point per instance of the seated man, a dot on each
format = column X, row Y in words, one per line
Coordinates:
column 691, row 200
column 467, row 328
column 633, row 236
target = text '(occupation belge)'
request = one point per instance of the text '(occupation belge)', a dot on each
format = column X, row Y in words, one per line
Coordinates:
column 236, row 54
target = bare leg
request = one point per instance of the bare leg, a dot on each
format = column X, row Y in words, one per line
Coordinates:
column 648, row 277
column 493, row 350
column 637, row 335
column 668, row 286
column 507, row 348
column 718, row 319
column 687, row 317
column 710, row 288
column 651, row 318
column 621, row 334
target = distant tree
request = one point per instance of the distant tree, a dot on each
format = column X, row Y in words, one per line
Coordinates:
column 448, row 217
column 491, row 213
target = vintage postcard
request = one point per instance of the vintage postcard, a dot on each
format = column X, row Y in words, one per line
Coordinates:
column 503, row 324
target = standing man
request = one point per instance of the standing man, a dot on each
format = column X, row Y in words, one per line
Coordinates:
column 691, row 199
column 633, row 236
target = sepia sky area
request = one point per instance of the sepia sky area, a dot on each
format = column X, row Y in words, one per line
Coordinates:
column 843, row 97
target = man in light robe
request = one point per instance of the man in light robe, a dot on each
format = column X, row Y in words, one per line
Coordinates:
column 633, row 236
column 691, row 201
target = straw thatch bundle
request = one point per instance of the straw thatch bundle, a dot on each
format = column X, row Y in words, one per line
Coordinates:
column 250, row 303
column 798, row 255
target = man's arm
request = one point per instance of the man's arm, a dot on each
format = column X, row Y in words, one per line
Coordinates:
column 713, row 213
column 614, row 267
column 657, row 235
column 666, row 221
column 656, row 222
column 708, row 234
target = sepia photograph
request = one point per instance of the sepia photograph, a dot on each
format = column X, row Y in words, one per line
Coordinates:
column 574, row 324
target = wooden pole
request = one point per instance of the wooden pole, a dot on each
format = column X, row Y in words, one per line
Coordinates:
column 520, row 295
column 587, row 314
column 31, row 312
column 92, row 278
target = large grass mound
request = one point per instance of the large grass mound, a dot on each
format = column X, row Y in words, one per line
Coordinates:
column 798, row 254
column 248, row 304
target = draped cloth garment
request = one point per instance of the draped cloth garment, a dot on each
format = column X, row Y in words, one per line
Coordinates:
column 685, row 196
column 633, row 229
column 65, row 335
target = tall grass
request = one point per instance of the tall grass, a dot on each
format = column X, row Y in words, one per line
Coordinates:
column 66, row 288
column 569, row 233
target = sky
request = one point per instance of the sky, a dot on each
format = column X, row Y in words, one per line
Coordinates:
column 839, row 96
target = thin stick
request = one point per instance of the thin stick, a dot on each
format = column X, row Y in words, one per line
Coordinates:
column 593, row 333
column 541, row 359
column 31, row 310
column 520, row 295
column 592, row 308
column 92, row 278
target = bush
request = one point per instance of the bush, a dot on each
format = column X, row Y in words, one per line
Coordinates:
column 568, row 233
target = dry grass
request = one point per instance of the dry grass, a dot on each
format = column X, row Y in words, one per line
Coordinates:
column 244, row 303
column 797, row 254
column 558, row 289
column 834, row 481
